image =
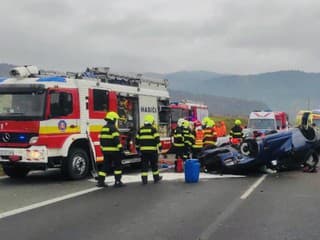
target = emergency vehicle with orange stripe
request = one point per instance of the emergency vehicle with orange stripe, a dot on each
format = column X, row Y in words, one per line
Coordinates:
column 50, row 120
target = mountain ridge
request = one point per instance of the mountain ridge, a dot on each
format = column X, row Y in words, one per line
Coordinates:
column 283, row 90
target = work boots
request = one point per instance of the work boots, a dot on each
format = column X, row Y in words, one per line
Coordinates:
column 157, row 178
column 119, row 184
column 144, row 180
column 101, row 182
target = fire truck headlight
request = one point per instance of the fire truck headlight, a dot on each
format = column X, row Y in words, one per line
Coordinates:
column 33, row 140
column 34, row 155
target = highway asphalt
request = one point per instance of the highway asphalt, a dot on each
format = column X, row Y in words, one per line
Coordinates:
column 279, row 206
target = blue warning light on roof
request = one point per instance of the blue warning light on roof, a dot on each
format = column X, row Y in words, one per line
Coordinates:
column 52, row 79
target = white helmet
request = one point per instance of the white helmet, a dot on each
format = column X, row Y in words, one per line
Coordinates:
column 180, row 122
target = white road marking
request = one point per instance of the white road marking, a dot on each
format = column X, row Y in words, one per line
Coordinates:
column 3, row 177
column 167, row 176
column 45, row 203
column 247, row 193
column 208, row 233
column 133, row 178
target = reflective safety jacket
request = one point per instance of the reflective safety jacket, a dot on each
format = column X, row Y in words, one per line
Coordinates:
column 148, row 139
column 223, row 129
column 178, row 138
column 110, row 138
column 188, row 137
column 198, row 143
column 236, row 132
column 210, row 137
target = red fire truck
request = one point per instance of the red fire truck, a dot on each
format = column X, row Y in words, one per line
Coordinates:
column 281, row 120
column 187, row 110
column 49, row 120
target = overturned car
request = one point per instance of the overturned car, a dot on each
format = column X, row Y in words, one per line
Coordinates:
column 285, row 150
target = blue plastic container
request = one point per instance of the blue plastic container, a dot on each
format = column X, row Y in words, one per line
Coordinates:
column 191, row 170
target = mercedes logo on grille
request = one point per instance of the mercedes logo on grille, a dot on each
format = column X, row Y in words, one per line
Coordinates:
column 6, row 137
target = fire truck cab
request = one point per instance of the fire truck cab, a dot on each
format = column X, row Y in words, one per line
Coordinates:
column 187, row 110
column 282, row 120
column 50, row 120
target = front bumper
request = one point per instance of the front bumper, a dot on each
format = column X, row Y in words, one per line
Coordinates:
column 29, row 156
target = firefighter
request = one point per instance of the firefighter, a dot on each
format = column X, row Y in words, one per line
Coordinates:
column 198, row 143
column 148, row 144
column 112, row 150
column 217, row 129
column 188, row 139
column 178, row 139
column 204, row 122
column 224, row 128
column 210, row 136
column 236, row 130
column 178, row 142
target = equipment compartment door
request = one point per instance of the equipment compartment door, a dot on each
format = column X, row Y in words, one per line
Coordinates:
column 128, row 122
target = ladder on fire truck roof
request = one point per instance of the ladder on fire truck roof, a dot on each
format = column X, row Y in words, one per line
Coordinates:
column 104, row 75
column 136, row 80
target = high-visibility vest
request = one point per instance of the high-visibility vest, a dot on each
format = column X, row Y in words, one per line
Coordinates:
column 199, row 134
column 188, row 137
column 223, row 129
column 148, row 139
column 210, row 137
column 110, row 138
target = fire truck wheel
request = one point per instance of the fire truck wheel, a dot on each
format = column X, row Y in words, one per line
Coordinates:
column 76, row 165
column 15, row 172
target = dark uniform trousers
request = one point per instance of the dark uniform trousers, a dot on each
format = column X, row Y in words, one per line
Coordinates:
column 179, row 151
column 112, row 159
column 195, row 152
column 149, row 158
column 179, row 143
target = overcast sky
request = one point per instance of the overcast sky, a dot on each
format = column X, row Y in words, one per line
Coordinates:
column 226, row 36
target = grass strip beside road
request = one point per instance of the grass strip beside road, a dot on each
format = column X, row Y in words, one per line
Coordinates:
column 229, row 120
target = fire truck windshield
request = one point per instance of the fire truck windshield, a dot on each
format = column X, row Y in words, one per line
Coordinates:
column 177, row 113
column 22, row 105
column 262, row 124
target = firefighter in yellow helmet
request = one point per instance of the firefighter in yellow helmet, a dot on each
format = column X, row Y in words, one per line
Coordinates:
column 112, row 150
column 210, row 136
column 178, row 139
column 204, row 122
column 198, row 141
column 148, row 143
column 236, row 130
column 188, row 138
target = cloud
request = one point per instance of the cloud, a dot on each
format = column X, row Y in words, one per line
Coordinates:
column 161, row 35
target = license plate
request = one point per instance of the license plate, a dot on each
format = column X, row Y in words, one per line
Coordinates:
column 6, row 152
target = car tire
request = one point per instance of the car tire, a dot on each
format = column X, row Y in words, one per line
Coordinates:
column 76, row 165
column 16, row 172
column 249, row 148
